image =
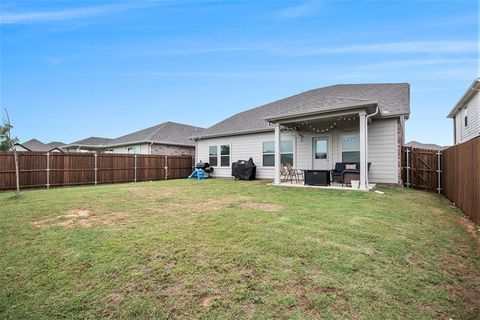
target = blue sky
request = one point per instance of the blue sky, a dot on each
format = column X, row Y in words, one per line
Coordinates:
column 73, row 69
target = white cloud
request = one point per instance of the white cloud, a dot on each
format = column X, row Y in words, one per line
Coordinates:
column 393, row 47
column 65, row 14
column 305, row 9
column 301, row 50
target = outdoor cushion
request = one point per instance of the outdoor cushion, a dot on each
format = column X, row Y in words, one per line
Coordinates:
column 350, row 167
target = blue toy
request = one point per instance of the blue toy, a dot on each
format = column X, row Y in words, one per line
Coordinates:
column 197, row 173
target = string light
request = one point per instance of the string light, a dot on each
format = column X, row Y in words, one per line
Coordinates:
column 317, row 130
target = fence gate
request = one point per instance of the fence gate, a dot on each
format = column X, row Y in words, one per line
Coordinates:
column 422, row 169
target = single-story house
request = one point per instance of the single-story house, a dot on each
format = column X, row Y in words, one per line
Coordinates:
column 168, row 138
column 90, row 144
column 466, row 115
column 37, row 145
column 362, row 123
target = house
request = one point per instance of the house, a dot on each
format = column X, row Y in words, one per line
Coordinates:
column 36, row 145
column 316, row 129
column 168, row 138
column 427, row 146
column 90, row 144
column 466, row 115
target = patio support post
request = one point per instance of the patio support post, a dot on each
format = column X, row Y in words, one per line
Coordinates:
column 277, row 154
column 363, row 151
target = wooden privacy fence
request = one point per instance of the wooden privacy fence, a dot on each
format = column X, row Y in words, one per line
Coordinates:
column 461, row 177
column 422, row 169
column 39, row 169
column 453, row 172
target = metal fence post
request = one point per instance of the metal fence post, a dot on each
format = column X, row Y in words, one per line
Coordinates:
column 48, row 170
column 95, row 169
column 407, row 151
column 135, row 167
column 166, row 167
column 439, row 172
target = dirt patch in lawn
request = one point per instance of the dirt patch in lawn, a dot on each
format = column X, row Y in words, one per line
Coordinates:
column 268, row 207
column 193, row 205
column 82, row 218
column 469, row 226
column 154, row 193
column 207, row 302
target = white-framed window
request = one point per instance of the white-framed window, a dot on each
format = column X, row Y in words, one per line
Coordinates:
column 213, row 155
column 286, row 153
column 133, row 149
column 351, row 147
column 465, row 117
column 225, row 155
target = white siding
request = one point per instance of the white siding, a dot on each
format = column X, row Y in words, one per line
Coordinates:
column 141, row 149
column 473, row 129
column 242, row 147
column 383, row 150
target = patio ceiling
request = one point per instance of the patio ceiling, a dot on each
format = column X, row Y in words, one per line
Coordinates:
column 324, row 125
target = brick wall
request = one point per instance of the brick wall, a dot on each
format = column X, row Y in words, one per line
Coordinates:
column 173, row 150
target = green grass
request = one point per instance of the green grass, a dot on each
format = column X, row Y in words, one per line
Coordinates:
column 233, row 249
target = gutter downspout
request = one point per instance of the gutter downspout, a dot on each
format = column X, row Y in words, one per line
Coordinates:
column 366, row 142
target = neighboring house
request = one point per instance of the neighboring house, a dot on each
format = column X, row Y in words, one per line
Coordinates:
column 168, row 138
column 90, row 144
column 466, row 115
column 428, row 146
column 36, row 145
column 316, row 129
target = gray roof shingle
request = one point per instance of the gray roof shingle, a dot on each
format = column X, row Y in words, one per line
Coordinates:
column 90, row 141
column 393, row 99
column 36, row 145
column 164, row 133
column 428, row 146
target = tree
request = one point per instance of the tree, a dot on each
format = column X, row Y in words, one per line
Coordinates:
column 4, row 145
column 6, row 138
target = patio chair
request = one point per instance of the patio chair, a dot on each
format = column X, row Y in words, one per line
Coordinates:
column 285, row 174
column 294, row 173
column 345, row 172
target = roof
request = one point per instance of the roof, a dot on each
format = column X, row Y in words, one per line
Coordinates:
column 393, row 99
column 465, row 98
column 55, row 144
column 165, row 133
column 428, row 146
column 36, row 145
column 90, row 142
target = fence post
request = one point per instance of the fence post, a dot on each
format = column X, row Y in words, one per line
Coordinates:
column 166, row 167
column 48, row 170
column 95, row 169
column 135, row 167
column 407, row 151
column 439, row 172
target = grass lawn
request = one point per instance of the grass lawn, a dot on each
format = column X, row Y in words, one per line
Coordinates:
column 233, row 249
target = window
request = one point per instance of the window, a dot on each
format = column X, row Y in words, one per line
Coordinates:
column 286, row 153
column 133, row 149
column 465, row 116
column 212, row 156
column 269, row 154
column 351, row 148
column 321, row 148
column 225, row 155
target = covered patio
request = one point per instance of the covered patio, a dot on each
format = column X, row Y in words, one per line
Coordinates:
column 326, row 140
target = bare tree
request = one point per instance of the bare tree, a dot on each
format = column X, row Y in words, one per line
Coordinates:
column 6, row 137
